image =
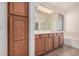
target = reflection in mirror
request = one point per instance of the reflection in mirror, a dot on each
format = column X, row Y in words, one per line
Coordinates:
column 36, row 26
column 46, row 21
column 60, row 22
column 43, row 21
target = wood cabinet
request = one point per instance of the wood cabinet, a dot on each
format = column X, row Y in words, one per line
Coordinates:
column 56, row 40
column 18, row 29
column 61, row 39
column 48, row 43
column 39, row 45
column 51, row 36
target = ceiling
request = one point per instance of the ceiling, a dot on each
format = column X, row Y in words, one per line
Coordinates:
column 63, row 5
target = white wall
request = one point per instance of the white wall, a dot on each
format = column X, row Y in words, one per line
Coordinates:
column 31, row 29
column 3, row 28
column 72, row 26
column 72, row 19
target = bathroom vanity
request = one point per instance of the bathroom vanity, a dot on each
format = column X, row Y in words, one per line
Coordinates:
column 46, row 42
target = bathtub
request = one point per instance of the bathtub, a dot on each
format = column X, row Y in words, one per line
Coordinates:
column 71, row 41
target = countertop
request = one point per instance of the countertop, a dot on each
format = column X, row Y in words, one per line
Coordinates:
column 45, row 32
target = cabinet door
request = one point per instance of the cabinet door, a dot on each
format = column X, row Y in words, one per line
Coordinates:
column 39, row 46
column 52, row 38
column 18, row 35
column 18, row 8
column 61, row 39
column 56, row 40
column 48, row 44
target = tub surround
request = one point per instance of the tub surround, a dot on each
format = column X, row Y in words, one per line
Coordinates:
column 72, row 41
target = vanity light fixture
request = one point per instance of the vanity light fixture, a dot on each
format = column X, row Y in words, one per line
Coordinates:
column 44, row 9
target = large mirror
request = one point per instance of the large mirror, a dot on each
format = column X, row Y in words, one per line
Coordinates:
column 47, row 19
column 43, row 21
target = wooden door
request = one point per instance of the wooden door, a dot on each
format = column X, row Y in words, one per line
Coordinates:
column 48, row 43
column 18, row 29
column 39, row 45
column 56, row 40
column 61, row 39
column 19, row 8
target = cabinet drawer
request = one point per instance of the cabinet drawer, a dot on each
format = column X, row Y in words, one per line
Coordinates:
column 55, row 34
column 44, row 36
column 37, row 36
column 51, row 35
column 59, row 34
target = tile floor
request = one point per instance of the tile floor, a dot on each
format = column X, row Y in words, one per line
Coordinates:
column 64, row 51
